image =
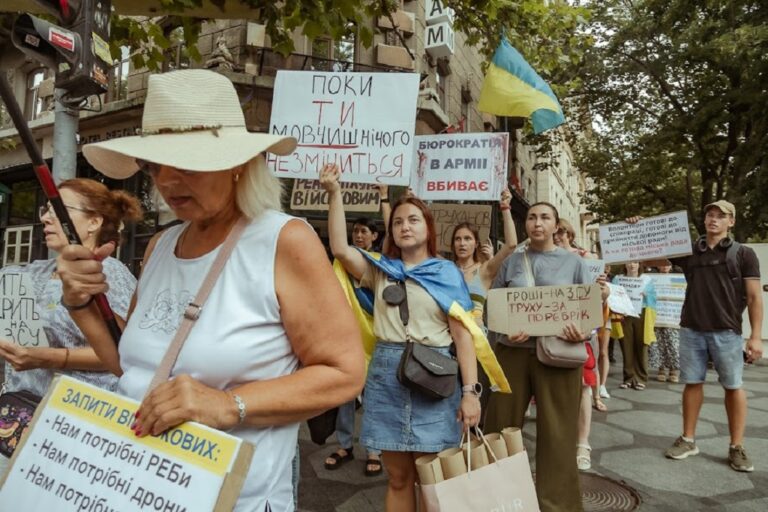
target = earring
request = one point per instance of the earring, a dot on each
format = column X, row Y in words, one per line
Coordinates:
column 237, row 177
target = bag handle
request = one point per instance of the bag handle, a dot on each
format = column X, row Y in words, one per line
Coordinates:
column 195, row 307
column 528, row 268
column 481, row 436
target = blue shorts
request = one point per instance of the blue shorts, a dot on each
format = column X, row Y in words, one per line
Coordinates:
column 400, row 420
column 725, row 348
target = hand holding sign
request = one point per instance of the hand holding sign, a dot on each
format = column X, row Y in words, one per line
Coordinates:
column 329, row 178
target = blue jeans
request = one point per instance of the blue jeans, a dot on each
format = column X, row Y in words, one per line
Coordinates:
column 724, row 347
column 345, row 427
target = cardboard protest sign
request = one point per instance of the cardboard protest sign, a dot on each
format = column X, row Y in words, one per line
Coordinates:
column 544, row 310
column 668, row 313
column 364, row 122
column 669, row 286
column 619, row 301
column 20, row 319
column 634, row 286
column 662, row 236
column 447, row 216
column 461, row 166
column 357, row 197
column 80, row 454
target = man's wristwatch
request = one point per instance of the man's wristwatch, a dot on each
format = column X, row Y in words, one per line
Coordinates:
column 472, row 389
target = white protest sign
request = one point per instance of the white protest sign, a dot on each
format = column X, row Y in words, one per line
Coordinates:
column 668, row 313
column 662, row 236
column 20, row 319
column 619, row 301
column 544, row 310
column 357, row 197
column 363, row 122
column 669, row 286
column 447, row 216
column 80, row 454
column 635, row 287
column 596, row 268
column 461, row 166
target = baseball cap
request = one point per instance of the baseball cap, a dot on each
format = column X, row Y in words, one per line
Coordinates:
column 724, row 207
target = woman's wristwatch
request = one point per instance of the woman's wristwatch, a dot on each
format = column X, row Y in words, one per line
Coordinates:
column 475, row 389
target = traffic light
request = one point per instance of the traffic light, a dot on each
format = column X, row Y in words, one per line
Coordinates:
column 78, row 50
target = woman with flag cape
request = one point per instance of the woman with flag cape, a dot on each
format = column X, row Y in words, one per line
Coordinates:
column 403, row 423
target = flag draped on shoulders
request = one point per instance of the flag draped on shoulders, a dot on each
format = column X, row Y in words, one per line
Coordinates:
column 361, row 301
column 512, row 88
column 444, row 283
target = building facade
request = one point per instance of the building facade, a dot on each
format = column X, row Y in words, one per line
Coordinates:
column 449, row 90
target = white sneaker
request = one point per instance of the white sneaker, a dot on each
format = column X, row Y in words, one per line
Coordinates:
column 604, row 392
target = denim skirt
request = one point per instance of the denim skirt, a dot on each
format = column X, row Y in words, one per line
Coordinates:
column 400, row 420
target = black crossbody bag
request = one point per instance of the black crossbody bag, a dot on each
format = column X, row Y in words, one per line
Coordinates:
column 421, row 369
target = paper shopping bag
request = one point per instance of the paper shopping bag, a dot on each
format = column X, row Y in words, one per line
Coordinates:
column 505, row 485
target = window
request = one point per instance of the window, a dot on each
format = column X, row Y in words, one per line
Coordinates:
column 330, row 55
column 33, row 105
column 17, row 245
column 441, row 84
column 118, row 78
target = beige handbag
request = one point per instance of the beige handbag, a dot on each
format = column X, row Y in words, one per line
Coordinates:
column 553, row 350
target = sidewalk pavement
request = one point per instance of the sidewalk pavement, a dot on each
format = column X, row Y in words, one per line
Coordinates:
column 628, row 444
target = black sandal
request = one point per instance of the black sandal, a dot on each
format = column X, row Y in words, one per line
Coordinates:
column 372, row 462
column 338, row 459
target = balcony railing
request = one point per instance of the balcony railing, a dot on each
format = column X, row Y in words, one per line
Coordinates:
column 270, row 62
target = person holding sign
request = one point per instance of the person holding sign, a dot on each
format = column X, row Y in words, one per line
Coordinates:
column 638, row 330
column 418, row 299
column 97, row 214
column 558, row 390
column 468, row 256
column 275, row 342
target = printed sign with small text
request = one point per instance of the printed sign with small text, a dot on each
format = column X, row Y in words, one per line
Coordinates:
column 662, row 236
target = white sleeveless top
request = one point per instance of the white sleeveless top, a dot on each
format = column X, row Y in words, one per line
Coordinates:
column 238, row 338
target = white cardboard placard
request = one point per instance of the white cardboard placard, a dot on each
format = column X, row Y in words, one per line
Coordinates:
column 364, row 122
column 20, row 319
column 662, row 236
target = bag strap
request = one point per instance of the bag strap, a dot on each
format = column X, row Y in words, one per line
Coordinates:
column 405, row 314
column 195, row 307
column 528, row 268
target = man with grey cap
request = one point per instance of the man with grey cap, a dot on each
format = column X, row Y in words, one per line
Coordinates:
column 723, row 279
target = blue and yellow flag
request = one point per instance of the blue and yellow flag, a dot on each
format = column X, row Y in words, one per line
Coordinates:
column 512, row 88
column 361, row 301
column 444, row 283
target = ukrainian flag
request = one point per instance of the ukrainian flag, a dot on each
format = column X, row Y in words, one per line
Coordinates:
column 512, row 88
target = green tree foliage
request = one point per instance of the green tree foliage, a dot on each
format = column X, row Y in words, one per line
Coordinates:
column 676, row 91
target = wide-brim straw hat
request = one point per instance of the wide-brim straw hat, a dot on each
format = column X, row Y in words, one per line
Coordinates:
column 192, row 121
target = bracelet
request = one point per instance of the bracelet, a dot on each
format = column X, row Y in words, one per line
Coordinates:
column 66, row 359
column 504, row 207
column 384, row 200
column 240, row 408
column 75, row 308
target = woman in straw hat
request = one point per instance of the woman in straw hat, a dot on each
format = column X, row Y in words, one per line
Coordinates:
column 262, row 355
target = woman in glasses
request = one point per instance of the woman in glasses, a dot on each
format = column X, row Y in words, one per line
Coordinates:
column 97, row 214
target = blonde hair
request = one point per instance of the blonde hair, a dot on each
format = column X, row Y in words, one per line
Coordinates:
column 258, row 189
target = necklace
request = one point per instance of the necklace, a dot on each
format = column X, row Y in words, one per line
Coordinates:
column 469, row 267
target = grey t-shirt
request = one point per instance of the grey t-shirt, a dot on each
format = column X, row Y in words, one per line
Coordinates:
column 551, row 268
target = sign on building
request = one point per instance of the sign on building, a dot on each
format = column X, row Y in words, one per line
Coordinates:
column 439, row 32
column 363, row 122
column 461, row 166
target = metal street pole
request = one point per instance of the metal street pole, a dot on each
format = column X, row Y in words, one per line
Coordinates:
column 65, row 123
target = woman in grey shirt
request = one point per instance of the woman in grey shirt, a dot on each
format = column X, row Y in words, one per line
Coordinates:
column 557, row 390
